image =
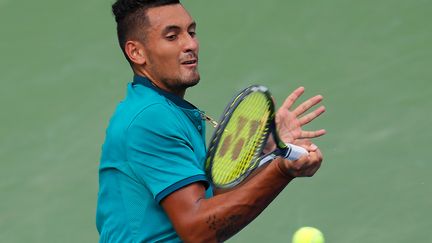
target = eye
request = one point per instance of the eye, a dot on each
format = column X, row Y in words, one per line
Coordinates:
column 192, row 33
column 171, row 37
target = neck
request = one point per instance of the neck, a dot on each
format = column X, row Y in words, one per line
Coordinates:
column 160, row 84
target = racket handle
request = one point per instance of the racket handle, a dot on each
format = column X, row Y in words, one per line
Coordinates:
column 295, row 152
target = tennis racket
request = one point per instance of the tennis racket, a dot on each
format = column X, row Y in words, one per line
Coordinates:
column 237, row 144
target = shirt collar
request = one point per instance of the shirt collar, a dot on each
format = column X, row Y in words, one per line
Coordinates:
column 140, row 80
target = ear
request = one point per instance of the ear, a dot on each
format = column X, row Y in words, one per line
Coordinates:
column 135, row 52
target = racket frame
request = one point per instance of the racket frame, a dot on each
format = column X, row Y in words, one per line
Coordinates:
column 225, row 117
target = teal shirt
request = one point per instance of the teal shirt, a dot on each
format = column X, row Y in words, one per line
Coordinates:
column 154, row 145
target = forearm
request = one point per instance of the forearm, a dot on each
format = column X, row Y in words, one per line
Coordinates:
column 220, row 217
column 229, row 212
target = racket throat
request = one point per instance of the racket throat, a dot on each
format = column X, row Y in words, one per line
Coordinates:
column 266, row 159
column 269, row 157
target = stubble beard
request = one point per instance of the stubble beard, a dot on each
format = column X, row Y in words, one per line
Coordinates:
column 179, row 80
column 190, row 80
column 175, row 82
column 183, row 81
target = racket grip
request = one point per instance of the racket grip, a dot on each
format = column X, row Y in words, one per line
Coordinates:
column 295, row 152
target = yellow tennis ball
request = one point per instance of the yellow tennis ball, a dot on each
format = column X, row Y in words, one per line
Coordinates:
column 308, row 235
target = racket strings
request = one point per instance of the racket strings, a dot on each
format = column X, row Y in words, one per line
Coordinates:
column 242, row 139
column 254, row 137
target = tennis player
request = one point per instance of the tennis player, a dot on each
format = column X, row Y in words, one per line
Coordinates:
column 152, row 185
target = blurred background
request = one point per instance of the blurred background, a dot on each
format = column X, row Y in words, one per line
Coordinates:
column 62, row 74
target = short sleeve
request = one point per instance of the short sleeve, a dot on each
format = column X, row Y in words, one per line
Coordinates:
column 160, row 153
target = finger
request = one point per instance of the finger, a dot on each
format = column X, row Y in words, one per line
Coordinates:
column 312, row 134
column 303, row 142
column 311, row 172
column 315, row 158
column 299, row 164
column 305, row 166
column 319, row 154
column 307, row 105
column 311, row 116
column 291, row 99
column 312, row 148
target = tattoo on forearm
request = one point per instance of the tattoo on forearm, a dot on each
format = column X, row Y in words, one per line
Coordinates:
column 224, row 227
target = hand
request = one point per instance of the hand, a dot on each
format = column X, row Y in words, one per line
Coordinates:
column 290, row 123
column 305, row 166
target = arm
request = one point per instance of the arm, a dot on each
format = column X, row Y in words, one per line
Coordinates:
column 197, row 219
column 216, row 219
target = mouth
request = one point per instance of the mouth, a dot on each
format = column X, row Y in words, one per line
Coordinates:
column 190, row 62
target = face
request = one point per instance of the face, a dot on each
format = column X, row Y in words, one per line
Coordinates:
column 171, row 48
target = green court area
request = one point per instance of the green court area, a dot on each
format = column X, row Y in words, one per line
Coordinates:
column 62, row 74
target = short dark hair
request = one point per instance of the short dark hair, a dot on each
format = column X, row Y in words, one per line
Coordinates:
column 130, row 16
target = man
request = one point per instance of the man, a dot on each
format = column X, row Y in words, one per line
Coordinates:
column 152, row 185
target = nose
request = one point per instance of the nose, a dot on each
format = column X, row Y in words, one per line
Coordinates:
column 191, row 44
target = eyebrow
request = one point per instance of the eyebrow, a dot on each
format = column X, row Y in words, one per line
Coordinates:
column 177, row 28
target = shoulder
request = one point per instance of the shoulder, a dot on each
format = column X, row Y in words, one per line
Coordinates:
column 157, row 123
column 145, row 106
column 156, row 115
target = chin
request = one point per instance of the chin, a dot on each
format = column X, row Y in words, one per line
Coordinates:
column 190, row 81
